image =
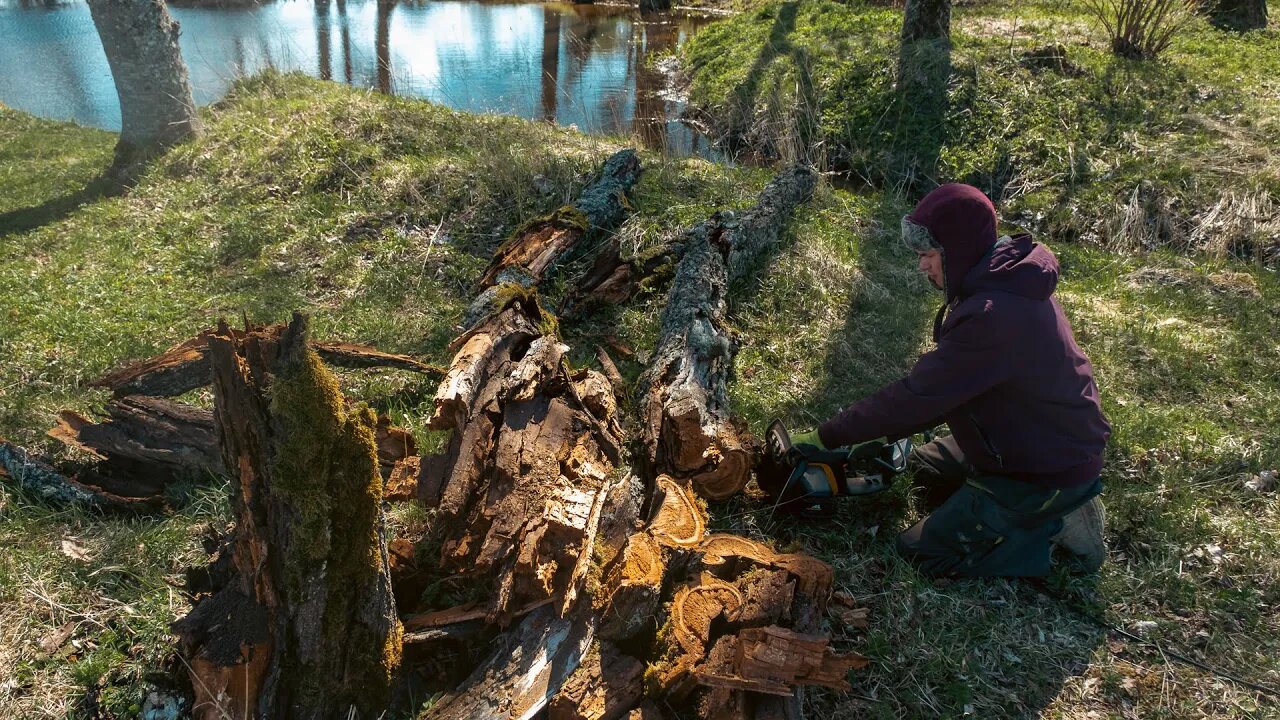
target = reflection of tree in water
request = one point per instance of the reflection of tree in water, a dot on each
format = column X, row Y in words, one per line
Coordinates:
column 322, row 39
column 382, row 44
column 346, row 41
column 550, row 61
column 650, row 121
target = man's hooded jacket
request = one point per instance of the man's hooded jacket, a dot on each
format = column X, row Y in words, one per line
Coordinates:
column 1006, row 376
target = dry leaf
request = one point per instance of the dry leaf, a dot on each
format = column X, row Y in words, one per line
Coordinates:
column 50, row 643
column 74, row 550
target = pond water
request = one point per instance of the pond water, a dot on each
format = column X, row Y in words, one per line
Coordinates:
column 581, row 65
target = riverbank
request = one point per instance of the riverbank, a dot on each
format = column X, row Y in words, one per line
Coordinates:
column 377, row 214
column 1181, row 153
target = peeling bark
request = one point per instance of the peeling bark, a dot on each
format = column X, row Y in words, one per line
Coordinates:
column 144, row 435
column 84, row 490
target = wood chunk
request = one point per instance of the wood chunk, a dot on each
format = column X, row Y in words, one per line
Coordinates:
column 815, row 577
column 611, row 371
column 522, row 483
column 767, row 598
column 634, row 587
column 527, row 667
column 41, row 478
column 695, row 607
column 402, row 483
column 775, row 654
column 681, row 521
column 145, row 435
column 394, row 445
column 606, row 686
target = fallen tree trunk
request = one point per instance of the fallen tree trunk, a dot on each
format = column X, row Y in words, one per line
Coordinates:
column 687, row 429
column 614, row 279
column 185, row 366
column 537, row 246
column 306, row 628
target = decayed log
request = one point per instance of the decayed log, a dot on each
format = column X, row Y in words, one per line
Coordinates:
column 82, row 489
column 607, row 686
column 536, row 246
column 307, row 626
column 148, row 435
column 686, row 426
column 185, row 366
column 614, row 279
column 522, row 484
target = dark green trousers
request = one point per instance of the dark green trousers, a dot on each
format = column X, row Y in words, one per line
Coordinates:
column 990, row 525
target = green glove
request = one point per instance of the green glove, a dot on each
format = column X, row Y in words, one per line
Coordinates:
column 808, row 438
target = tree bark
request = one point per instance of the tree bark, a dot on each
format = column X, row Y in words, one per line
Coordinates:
column 1239, row 15
column 141, row 43
column 687, row 429
column 926, row 20
column 145, row 435
column 307, row 626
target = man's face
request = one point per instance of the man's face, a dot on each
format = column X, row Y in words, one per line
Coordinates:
column 931, row 265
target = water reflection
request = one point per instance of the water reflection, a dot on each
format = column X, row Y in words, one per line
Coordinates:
column 582, row 65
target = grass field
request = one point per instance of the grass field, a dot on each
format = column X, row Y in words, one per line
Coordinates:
column 377, row 214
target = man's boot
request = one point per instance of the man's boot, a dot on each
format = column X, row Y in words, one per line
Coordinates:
column 1081, row 535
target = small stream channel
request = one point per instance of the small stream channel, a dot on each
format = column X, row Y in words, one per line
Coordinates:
column 586, row 66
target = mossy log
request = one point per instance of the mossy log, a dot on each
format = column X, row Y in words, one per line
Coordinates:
column 686, row 426
column 537, row 246
column 185, row 366
column 306, row 627
column 744, row 237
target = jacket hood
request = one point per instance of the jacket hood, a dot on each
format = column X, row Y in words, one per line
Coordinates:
column 1015, row 265
column 962, row 222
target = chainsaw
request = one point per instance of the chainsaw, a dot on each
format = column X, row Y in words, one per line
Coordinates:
column 806, row 480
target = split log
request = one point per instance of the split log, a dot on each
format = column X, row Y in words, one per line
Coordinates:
column 537, row 246
column 614, row 279
column 307, row 626
column 608, row 684
column 146, row 435
column 687, row 428
column 185, row 366
column 521, row 486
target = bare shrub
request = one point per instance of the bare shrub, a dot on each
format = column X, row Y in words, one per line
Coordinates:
column 1141, row 29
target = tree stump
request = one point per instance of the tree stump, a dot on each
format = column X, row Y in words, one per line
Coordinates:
column 306, row 628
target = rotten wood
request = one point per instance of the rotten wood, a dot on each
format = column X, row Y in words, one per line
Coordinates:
column 83, row 489
column 520, row 487
column 306, row 627
column 606, row 686
column 537, row 246
column 143, row 434
column 687, row 428
column 185, row 366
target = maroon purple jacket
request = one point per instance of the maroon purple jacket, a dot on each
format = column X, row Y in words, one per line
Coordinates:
column 1006, row 376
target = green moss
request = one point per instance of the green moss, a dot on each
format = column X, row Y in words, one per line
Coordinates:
column 509, row 294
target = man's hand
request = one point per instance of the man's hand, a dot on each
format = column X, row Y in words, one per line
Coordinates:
column 808, row 438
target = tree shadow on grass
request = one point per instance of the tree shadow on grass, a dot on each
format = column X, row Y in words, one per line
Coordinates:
column 106, row 184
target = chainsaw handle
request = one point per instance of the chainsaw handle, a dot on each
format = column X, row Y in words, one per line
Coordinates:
column 814, row 454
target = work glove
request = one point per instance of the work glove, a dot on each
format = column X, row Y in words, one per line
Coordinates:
column 808, row 438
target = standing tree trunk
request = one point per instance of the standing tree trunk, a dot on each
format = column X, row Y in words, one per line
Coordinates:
column 1238, row 15
column 926, row 20
column 141, row 43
